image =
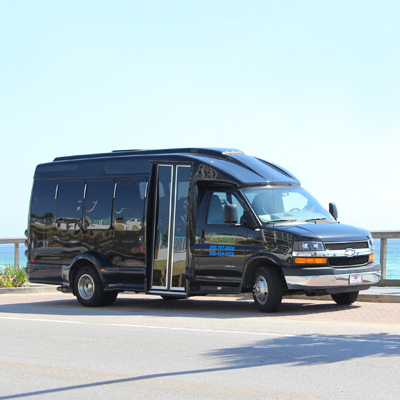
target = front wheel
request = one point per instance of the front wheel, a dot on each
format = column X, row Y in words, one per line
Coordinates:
column 267, row 289
column 110, row 298
column 345, row 298
column 87, row 287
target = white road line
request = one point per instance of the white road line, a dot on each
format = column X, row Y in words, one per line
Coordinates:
column 204, row 330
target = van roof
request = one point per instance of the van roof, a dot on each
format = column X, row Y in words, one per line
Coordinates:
column 229, row 165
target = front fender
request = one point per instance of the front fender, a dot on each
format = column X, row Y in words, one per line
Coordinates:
column 257, row 260
column 88, row 257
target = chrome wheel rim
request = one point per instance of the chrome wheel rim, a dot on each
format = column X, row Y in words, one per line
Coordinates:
column 260, row 290
column 86, row 286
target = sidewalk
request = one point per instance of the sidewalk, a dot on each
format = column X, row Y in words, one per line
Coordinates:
column 376, row 294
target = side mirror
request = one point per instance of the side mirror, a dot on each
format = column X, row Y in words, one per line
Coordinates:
column 230, row 214
column 333, row 210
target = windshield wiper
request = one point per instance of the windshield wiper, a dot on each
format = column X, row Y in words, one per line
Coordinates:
column 315, row 219
column 282, row 220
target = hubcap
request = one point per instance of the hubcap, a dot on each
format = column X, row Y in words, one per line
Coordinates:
column 86, row 286
column 260, row 290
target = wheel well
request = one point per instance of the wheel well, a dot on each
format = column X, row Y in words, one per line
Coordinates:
column 251, row 269
column 74, row 270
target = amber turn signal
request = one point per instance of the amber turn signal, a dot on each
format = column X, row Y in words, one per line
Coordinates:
column 310, row 260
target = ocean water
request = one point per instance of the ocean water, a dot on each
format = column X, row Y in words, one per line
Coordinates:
column 392, row 263
column 392, row 259
column 7, row 255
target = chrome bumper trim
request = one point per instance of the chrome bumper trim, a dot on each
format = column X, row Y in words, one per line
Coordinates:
column 327, row 277
column 327, row 281
column 65, row 273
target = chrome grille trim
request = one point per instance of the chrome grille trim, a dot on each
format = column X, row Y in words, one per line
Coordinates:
column 332, row 253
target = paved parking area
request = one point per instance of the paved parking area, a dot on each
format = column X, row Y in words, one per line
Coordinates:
column 217, row 307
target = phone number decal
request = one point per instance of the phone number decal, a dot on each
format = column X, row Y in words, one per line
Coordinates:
column 222, row 251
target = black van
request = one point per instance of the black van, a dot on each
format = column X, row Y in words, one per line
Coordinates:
column 187, row 222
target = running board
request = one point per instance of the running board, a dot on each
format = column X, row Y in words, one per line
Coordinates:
column 181, row 295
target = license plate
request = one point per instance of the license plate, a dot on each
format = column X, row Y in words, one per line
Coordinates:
column 355, row 279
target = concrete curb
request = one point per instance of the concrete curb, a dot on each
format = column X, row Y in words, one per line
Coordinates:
column 29, row 289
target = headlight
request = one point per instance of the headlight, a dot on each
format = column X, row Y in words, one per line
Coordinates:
column 307, row 245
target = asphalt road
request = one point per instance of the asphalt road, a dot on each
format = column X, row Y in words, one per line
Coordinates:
column 146, row 348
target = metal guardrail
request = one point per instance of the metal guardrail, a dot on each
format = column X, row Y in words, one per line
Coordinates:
column 16, row 242
column 382, row 235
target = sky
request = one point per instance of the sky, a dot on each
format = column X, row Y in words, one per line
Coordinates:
column 313, row 86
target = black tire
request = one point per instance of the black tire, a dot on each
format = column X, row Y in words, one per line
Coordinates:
column 345, row 299
column 267, row 289
column 110, row 297
column 87, row 287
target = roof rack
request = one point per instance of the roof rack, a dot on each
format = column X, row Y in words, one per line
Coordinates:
column 121, row 151
column 213, row 152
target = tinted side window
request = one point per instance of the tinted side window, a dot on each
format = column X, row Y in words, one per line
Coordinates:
column 183, row 179
column 43, row 203
column 128, row 205
column 99, row 197
column 69, row 205
column 215, row 213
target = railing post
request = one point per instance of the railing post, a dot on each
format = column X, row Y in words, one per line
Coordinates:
column 383, row 257
column 16, row 255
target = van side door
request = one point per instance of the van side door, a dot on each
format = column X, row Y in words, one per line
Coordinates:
column 220, row 248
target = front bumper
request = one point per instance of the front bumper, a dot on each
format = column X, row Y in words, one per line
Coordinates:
column 328, row 277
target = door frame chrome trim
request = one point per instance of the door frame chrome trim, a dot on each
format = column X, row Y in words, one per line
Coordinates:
column 171, row 228
column 176, row 173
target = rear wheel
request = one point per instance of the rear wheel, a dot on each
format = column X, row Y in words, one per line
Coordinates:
column 345, row 298
column 267, row 289
column 87, row 287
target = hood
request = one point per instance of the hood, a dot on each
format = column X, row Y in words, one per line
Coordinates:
column 328, row 232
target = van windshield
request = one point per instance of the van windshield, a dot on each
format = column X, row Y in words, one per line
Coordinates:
column 285, row 204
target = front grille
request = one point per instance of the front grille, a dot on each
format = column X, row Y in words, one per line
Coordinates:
column 344, row 246
column 347, row 261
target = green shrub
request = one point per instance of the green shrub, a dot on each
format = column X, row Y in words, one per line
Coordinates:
column 12, row 276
